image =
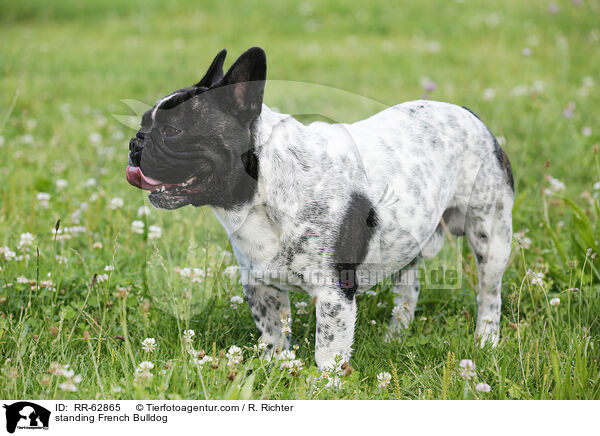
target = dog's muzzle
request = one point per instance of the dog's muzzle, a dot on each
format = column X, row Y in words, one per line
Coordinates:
column 136, row 145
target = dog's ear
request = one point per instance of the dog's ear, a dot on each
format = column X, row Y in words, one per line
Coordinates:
column 215, row 71
column 245, row 84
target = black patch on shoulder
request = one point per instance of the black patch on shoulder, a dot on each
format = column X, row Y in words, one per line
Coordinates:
column 352, row 242
column 500, row 154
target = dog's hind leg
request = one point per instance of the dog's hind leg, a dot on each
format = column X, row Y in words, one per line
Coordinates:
column 489, row 232
column 406, row 293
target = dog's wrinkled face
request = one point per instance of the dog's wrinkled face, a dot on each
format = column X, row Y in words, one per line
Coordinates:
column 195, row 145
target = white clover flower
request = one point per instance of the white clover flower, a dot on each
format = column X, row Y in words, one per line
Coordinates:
column 287, row 355
column 146, row 365
column 56, row 368
column 293, row 366
column 26, row 240
column 149, row 345
column 555, row 301
column 118, row 135
column 7, row 253
column 467, row 369
column 301, row 307
column 137, row 227
column 75, row 229
column 586, row 131
column 334, row 382
column 68, row 386
column 71, row 381
column 116, row 203
column 43, row 199
column 95, row 138
column 536, row 278
column 89, row 183
column 397, row 313
column 117, row 389
column 27, row 139
column 48, row 284
column 100, row 278
column 97, row 245
column 142, row 372
column 488, row 94
column 556, row 185
column 61, row 184
column 22, row 280
column 61, row 259
column 143, row 211
column 483, row 387
column 236, row 301
column 518, row 90
column 285, row 325
column 234, row 355
column 109, row 268
column 384, row 379
column 188, row 336
column 201, row 362
column 154, row 232
column 261, row 346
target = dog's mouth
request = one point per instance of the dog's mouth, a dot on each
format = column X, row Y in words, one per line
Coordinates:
column 194, row 185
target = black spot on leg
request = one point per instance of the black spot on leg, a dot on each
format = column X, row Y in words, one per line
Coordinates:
column 352, row 242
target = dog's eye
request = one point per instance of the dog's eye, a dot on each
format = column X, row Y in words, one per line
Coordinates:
column 169, row 131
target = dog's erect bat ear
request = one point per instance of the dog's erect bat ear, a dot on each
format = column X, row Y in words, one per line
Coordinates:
column 215, row 71
column 245, row 84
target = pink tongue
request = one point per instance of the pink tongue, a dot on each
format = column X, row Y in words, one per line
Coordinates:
column 136, row 178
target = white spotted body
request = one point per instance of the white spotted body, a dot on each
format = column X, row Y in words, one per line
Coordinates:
column 413, row 163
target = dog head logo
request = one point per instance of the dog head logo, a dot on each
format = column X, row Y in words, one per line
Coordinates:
column 26, row 415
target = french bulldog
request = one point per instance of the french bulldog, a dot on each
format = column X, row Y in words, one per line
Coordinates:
column 330, row 209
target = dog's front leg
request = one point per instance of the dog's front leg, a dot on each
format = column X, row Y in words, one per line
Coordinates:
column 269, row 307
column 336, row 315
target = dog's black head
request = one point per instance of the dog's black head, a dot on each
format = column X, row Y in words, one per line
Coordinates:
column 195, row 145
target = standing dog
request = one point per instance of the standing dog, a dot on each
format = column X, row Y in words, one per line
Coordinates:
column 331, row 209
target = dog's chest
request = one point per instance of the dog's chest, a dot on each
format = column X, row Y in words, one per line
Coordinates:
column 254, row 238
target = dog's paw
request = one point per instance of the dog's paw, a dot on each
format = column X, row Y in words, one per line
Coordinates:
column 487, row 334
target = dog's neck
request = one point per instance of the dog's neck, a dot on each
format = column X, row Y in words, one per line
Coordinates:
column 262, row 130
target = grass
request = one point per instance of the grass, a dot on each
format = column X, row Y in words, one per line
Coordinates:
column 66, row 66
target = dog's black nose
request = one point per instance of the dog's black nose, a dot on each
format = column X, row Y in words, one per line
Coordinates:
column 136, row 145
